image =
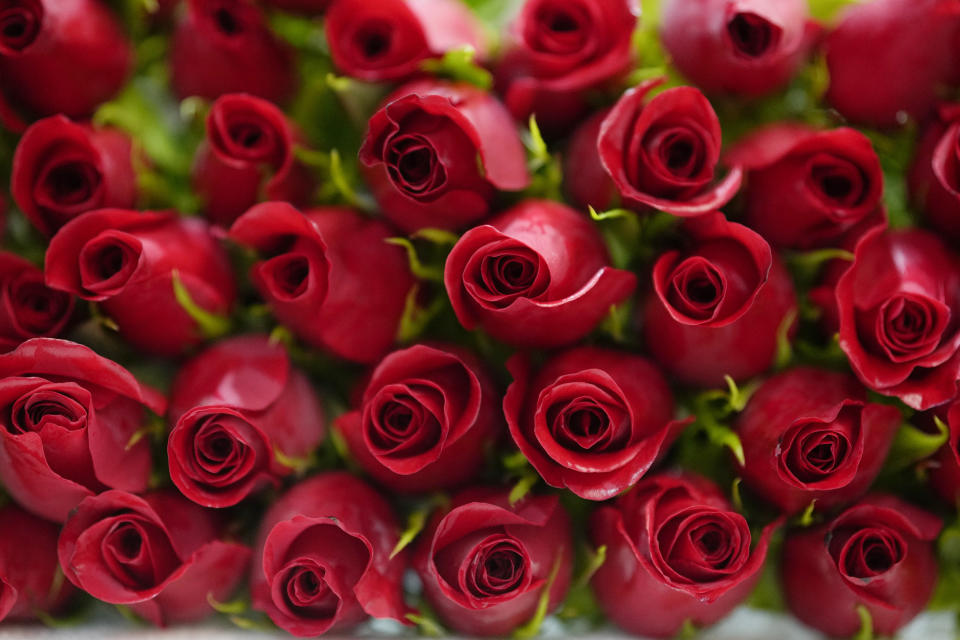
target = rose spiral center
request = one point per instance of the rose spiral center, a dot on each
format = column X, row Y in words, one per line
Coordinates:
column 20, row 23
column 752, row 36
column 498, row 566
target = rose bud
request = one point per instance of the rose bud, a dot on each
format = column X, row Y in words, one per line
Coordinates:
column 128, row 260
column 662, row 153
column 897, row 304
column 28, row 308
column 876, row 554
column 485, row 564
column 238, row 410
column 390, row 39
column 945, row 472
column 586, row 182
column 435, row 154
column 71, row 418
column 61, row 56
column 934, row 176
column 718, row 306
column 329, row 275
column 810, row 434
column 676, row 552
column 158, row 553
column 426, row 415
column 322, row 560
column 248, row 156
column 560, row 50
column 590, row 420
column 225, row 46
column 537, row 275
column 62, row 169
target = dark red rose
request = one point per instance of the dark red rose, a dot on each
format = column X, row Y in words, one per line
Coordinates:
column 322, row 558
column 676, row 552
column 945, row 473
column 934, row 176
column 558, row 51
column 717, row 306
column 809, row 434
column 590, row 420
column 69, row 417
column 225, row 46
column 898, row 306
column 247, row 157
column 435, row 154
column 329, row 276
column 126, row 260
column 62, row 169
column 427, row 414
column 485, row 563
column 877, row 554
column 235, row 408
column 586, row 182
column 537, row 275
column 390, row 39
column 159, row 553
column 28, row 308
column 60, row 56
column 662, row 153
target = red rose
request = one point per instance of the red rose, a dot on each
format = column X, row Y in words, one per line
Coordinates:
column 390, row 39
column 934, row 176
column 586, row 181
column 718, row 305
column 676, row 552
column 485, row 563
column 810, row 434
column 897, row 307
column 877, row 554
column 225, row 46
column 28, row 308
column 158, row 553
column 945, row 474
column 125, row 260
column 662, row 153
column 537, row 275
column 322, row 560
column 590, row 420
column 60, row 56
column 426, row 415
column 248, row 156
column 234, row 408
column 329, row 276
column 558, row 51
column 69, row 416
column 435, row 154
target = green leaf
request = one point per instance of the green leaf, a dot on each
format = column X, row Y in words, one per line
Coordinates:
column 426, row 625
column 233, row 607
column 458, row 65
column 911, row 445
column 523, row 486
column 532, row 628
column 211, row 325
column 299, row 466
column 612, row 214
column 866, row 624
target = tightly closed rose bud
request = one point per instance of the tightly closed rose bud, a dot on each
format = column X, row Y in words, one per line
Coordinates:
column 426, row 416
column 126, row 261
column 718, row 305
column 586, row 181
column 235, row 409
column 329, row 275
column 485, row 564
column 28, row 308
column 934, row 176
column 590, row 420
column 225, row 46
column 322, row 560
column 877, row 554
column 537, row 275
column 436, row 153
column 69, row 419
column 662, row 153
column 676, row 552
column 945, row 474
column 62, row 169
column 158, row 553
column 390, row 39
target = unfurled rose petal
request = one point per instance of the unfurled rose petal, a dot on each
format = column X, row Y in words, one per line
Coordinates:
column 28, row 308
column 934, row 176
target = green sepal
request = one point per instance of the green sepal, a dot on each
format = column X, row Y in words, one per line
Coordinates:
column 427, row 625
column 155, row 427
column 622, row 231
column 299, row 466
column 806, row 517
column 784, row 354
column 233, row 607
column 866, row 624
column 459, row 65
column 546, row 174
column 211, row 325
column 523, row 486
column 827, row 10
column 532, row 628
column 911, row 445
column 687, row 631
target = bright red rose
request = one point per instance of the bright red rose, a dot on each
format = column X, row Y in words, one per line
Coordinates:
column 934, row 176
column 485, row 563
column 235, row 408
column 945, row 474
column 126, row 261
column 586, row 182
column 62, row 169
column 158, row 553
column 676, row 551
column 28, row 308
column 717, row 305
column 322, row 560
column 436, row 153
column 590, row 420
column 69, row 417
column 329, row 276
column 877, row 554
